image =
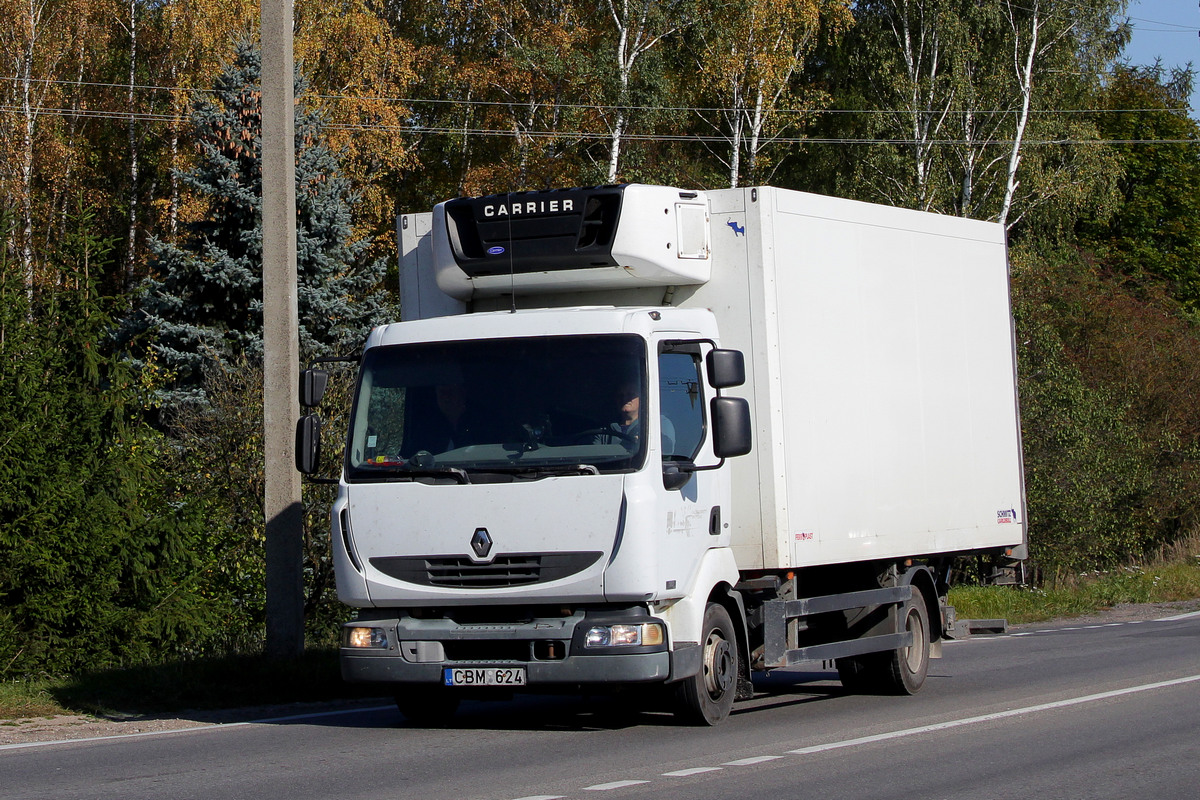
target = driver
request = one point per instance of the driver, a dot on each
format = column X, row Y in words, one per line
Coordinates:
column 443, row 426
column 628, row 427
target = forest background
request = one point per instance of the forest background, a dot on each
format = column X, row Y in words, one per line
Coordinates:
column 131, row 525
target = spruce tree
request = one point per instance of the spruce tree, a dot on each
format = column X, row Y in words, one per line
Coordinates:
column 203, row 301
column 99, row 564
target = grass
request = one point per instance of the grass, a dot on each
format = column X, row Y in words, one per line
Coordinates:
column 25, row 699
column 251, row 681
column 1082, row 594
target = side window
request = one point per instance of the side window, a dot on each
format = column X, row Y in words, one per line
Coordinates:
column 681, row 398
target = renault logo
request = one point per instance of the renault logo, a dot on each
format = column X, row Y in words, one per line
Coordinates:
column 481, row 542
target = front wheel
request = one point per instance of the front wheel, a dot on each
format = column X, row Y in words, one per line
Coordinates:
column 707, row 697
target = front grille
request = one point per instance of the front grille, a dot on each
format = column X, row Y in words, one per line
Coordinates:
column 487, row 650
column 460, row 572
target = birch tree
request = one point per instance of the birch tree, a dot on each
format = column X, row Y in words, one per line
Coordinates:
column 962, row 87
column 38, row 49
column 749, row 54
column 131, row 28
column 638, row 27
column 1050, row 39
column 548, row 69
column 905, row 55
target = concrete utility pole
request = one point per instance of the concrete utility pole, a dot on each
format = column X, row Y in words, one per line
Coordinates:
column 281, row 338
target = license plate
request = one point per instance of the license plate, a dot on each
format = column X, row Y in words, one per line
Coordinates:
column 483, row 676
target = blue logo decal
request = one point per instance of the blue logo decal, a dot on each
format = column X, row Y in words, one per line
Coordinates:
column 738, row 230
column 495, row 251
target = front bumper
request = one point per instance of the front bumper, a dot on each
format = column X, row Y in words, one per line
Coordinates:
column 550, row 648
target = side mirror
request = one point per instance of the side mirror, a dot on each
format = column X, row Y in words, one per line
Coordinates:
column 726, row 368
column 732, row 431
column 312, row 386
column 308, row 443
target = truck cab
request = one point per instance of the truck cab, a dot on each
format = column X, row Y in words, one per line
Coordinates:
column 527, row 498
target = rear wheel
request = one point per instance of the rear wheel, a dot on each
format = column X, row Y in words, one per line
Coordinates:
column 899, row 671
column 707, row 697
column 861, row 674
column 426, row 705
column 909, row 665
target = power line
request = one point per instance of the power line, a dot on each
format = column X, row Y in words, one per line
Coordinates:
column 476, row 103
column 413, row 129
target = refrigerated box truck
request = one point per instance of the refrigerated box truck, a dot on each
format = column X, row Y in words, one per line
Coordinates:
column 639, row 436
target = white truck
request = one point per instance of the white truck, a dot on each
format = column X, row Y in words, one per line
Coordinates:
column 634, row 435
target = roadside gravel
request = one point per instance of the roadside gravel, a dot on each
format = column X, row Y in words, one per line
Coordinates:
column 85, row 726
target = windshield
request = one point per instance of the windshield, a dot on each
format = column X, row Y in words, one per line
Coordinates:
column 485, row 409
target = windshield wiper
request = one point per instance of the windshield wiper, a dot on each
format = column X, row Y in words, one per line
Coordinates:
column 406, row 473
column 547, row 470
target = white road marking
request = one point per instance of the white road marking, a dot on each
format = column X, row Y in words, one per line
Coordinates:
column 604, row 787
column 1189, row 615
column 742, row 761
column 1016, row 712
column 222, row 726
column 684, row 773
column 883, row 737
column 745, row 762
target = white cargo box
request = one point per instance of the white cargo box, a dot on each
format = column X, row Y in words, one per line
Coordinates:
column 882, row 379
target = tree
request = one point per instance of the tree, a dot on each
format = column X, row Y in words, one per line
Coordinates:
column 44, row 40
column 190, row 47
column 748, row 55
column 358, row 65
column 541, row 64
column 203, row 302
column 1154, row 229
column 638, row 27
column 97, row 559
column 1050, row 37
column 964, row 103
column 898, row 58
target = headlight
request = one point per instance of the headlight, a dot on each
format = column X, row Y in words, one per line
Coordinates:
column 365, row 637
column 625, row 635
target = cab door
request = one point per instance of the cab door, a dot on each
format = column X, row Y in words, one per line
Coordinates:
column 691, row 507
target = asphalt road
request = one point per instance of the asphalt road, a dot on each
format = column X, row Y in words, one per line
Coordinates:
column 1104, row 711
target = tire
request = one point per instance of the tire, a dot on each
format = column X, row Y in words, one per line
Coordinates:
column 908, row 666
column 707, row 697
column 862, row 674
column 900, row 671
column 429, row 706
